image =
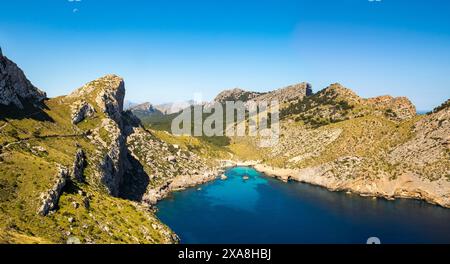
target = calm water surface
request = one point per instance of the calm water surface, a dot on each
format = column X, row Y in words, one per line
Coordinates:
column 265, row 210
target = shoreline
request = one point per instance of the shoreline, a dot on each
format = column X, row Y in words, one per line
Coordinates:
column 405, row 187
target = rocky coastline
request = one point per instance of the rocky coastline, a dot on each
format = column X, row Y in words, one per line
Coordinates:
column 407, row 186
column 179, row 183
column 404, row 187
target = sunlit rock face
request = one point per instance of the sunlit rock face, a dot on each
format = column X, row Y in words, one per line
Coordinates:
column 15, row 88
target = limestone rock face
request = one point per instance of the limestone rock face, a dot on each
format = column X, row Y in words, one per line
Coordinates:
column 112, row 96
column 15, row 88
column 78, row 166
column 81, row 111
column 110, row 99
column 236, row 94
column 50, row 198
column 286, row 94
column 107, row 94
column 396, row 108
column 113, row 163
column 282, row 95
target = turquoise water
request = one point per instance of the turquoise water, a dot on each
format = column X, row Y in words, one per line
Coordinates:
column 265, row 210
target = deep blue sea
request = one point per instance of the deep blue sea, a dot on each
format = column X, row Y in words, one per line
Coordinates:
column 265, row 210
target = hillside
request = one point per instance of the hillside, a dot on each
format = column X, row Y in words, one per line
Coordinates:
column 334, row 138
column 337, row 103
column 78, row 166
column 373, row 147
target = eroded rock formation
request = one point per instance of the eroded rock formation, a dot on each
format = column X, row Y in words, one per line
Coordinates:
column 15, row 88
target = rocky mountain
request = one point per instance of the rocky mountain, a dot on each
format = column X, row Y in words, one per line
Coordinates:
column 287, row 94
column 373, row 147
column 128, row 104
column 15, row 88
column 337, row 103
column 236, row 94
column 174, row 107
column 282, row 95
column 90, row 171
column 148, row 112
column 145, row 109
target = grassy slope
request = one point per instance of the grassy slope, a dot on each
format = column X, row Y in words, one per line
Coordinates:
column 25, row 173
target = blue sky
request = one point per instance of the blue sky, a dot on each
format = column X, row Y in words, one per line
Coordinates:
column 170, row 50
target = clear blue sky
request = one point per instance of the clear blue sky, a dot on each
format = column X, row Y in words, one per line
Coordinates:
column 169, row 50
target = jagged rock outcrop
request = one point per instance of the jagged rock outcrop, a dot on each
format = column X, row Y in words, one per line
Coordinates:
column 108, row 94
column 49, row 200
column 395, row 108
column 111, row 97
column 80, row 111
column 337, row 103
column 145, row 110
column 236, row 94
column 79, row 165
column 286, row 94
column 282, row 95
column 15, row 88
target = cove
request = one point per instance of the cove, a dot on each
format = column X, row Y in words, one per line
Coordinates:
column 265, row 210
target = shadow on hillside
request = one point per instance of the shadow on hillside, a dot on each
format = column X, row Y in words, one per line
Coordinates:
column 135, row 181
column 35, row 112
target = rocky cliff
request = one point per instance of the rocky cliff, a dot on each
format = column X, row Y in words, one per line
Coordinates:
column 105, row 96
column 15, row 88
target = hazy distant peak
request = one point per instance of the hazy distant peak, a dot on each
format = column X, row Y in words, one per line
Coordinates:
column 175, row 107
column 146, row 107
